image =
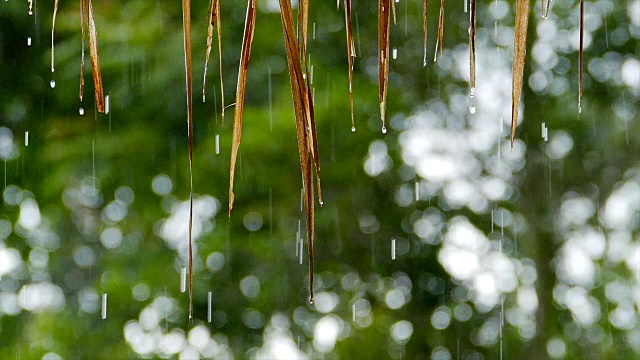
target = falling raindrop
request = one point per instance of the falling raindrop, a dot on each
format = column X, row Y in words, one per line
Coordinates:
column 472, row 108
column 29, row 41
column 217, row 144
column 393, row 249
column 81, row 111
column 107, row 104
column 26, row 138
column 209, row 298
column 104, row 306
column 183, row 279
column 395, row 53
column 52, row 83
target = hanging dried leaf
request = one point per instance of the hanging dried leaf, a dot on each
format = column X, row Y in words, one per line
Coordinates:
column 214, row 20
column 186, row 23
column 305, row 126
column 95, row 61
column 472, row 47
column 303, row 25
column 440, row 34
column 519, row 53
column 424, row 31
column 383, row 56
column 53, row 27
column 393, row 11
column 580, row 61
column 351, row 54
column 83, row 24
column 247, row 39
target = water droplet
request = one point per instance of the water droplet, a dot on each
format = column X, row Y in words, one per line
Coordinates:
column 30, row 12
column 29, row 41
column 81, row 111
column 384, row 129
column 472, row 91
column 321, row 203
column 580, row 109
column 353, row 129
column 472, row 109
column 311, row 301
column 52, row 83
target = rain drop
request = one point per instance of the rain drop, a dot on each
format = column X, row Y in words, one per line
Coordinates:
column 353, row 129
column 29, row 41
column 81, row 111
column 52, row 83
column 384, row 129
column 472, row 109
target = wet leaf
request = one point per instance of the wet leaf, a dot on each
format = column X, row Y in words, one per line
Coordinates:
column 393, row 11
column 383, row 56
column 83, row 24
column 247, row 39
column 53, row 27
column 303, row 25
column 351, row 54
column 214, row 20
column 424, row 31
column 305, row 126
column 519, row 53
column 580, row 60
column 472, row 47
column 440, row 34
column 544, row 8
column 95, row 61
column 186, row 23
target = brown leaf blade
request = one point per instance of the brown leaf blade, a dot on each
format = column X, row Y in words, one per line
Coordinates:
column 53, row 27
column 580, row 59
column 214, row 21
column 519, row 53
column 95, row 60
column 186, row 23
column 383, row 56
column 424, row 31
column 305, row 127
column 303, row 25
column 247, row 39
column 440, row 34
column 472, row 47
column 83, row 24
column 351, row 54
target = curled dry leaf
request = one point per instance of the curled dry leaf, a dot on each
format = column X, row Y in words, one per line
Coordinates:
column 186, row 23
column 440, row 34
column 472, row 47
column 214, row 20
column 247, row 39
column 424, row 31
column 519, row 53
column 83, row 24
column 383, row 56
column 53, row 27
column 95, row 61
column 351, row 54
column 305, row 126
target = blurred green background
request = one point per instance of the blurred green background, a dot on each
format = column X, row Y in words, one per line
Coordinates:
column 436, row 239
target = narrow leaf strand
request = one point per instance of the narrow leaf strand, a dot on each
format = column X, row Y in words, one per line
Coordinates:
column 83, row 25
column 472, row 47
column 580, row 59
column 519, row 53
column 351, row 54
column 383, row 56
column 53, row 27
column 247, row 39
column 424, row 31
column 95, row 61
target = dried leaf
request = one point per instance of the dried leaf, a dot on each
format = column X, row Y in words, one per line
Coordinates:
column 303, row 25
column 247, row 39
column 83, row 24
column 305, row 126
column 424, row 31
column 214, row 20
column 393, row 11
column 53, row 26
column 383, row 56
column 519, row 53
column 472, row 47
column 95, row 61
column 351, row 54
column 580, row 60
column 440, row 35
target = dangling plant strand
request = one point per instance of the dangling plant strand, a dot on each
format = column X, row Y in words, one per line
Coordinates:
column 53, row 27
column 580, row 61
column 83, row 24
column 383, row 56
column 519, row 52
column 544, row 8
column 247, row 39
column 186, row 23
column 95, row 61
column 424, row 31
column 305, row 126
column 351, row 54
column 472, row 47
column 214, row 20
column 393, row 11
column 303, row 25
column 440, row 34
